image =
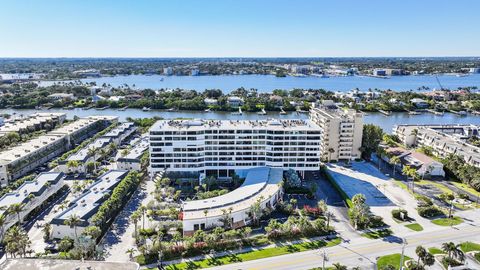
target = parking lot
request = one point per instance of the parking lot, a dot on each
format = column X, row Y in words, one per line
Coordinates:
column 361, row 178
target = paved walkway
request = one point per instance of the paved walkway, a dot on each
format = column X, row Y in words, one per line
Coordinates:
column 120, row 236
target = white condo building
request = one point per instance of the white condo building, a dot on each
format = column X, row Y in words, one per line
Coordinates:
column 87, row 204
column 133, row 159
column 341, row 131
column 261, row 185
column 83, row 157
column 23, row 158
column 221, row 147
column 31, row 194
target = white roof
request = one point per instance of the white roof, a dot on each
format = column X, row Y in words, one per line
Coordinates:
column 275, row 124
column 22, row 192
column 261, row 181
column 83, row 205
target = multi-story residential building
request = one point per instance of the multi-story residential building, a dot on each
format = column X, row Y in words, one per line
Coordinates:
column 132, row 160
column 222, row 147
column 341, row 131
column 21, row 159
column 86, row 205
column 121, row 132
column 83, row 157
column 31, row 123
column 261, row 185
column 442, row 139
column 168, row 71
column 235, row 101
column 31, row 194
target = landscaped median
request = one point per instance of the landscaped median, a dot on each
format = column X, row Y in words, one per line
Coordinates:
column 414, row 227
column 254, row 254
column 447, row 221
column 391, row 260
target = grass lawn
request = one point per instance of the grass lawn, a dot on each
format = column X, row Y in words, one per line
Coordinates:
column 434, row 251
column 415, row 227
column 447, row 221
column 469, row 246
column 401, row 184
column 435, row 184
column 393, row 260
column 377, row 234
column 253, row 255
column 466, row 187
column 477, row 256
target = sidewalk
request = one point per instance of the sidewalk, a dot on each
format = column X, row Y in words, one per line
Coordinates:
column 238, row 251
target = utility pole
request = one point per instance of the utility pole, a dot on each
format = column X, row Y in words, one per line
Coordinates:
column 324, row 258
column 404, row 244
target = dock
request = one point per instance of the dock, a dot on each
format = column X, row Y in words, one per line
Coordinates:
column 461, row 113
column 435, row 112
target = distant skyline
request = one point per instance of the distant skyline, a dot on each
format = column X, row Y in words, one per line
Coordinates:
column 246, row 28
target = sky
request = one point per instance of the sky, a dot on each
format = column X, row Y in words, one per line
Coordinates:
column 242, row 28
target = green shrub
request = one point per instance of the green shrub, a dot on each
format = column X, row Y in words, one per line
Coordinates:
column 397, row 214
column 429, row 211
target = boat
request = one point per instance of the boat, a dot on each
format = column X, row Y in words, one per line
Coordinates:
column 146, row 109
column 385, row 112
column 172, row 110
column 123, row 108
column 161, row 79
column 413, row 113
column 207, row 110
column 262, row 112
column 87, row 108
column 238, row 113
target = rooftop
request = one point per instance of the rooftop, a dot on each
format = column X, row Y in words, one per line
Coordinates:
column 89, row 201
column 55, row 264
column 34, row 186
column 18, row 124
column 260, row 182
column 119, row 130
column 138, row 148
column 197, row 124
column 82, row 154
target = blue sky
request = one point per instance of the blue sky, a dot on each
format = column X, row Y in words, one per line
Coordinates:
column 243, row 28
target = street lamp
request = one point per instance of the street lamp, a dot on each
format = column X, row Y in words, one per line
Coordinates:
column 160, row 254
column 404, row 244
column 324, row 257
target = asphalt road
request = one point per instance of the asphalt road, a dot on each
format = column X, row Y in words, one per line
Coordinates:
column 361, row 251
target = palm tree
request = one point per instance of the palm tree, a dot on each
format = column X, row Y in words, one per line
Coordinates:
column 143, row 210
column 3, row 222
column 339, row 266
column 72, row 164
column 93, row 152
column 421, row 253
column 47, row 230
column 73, row 221
column 395, row 160
column 130, row 252
column 205, row 212
column 135, row 218
column 16, row 208
column 453, row 250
